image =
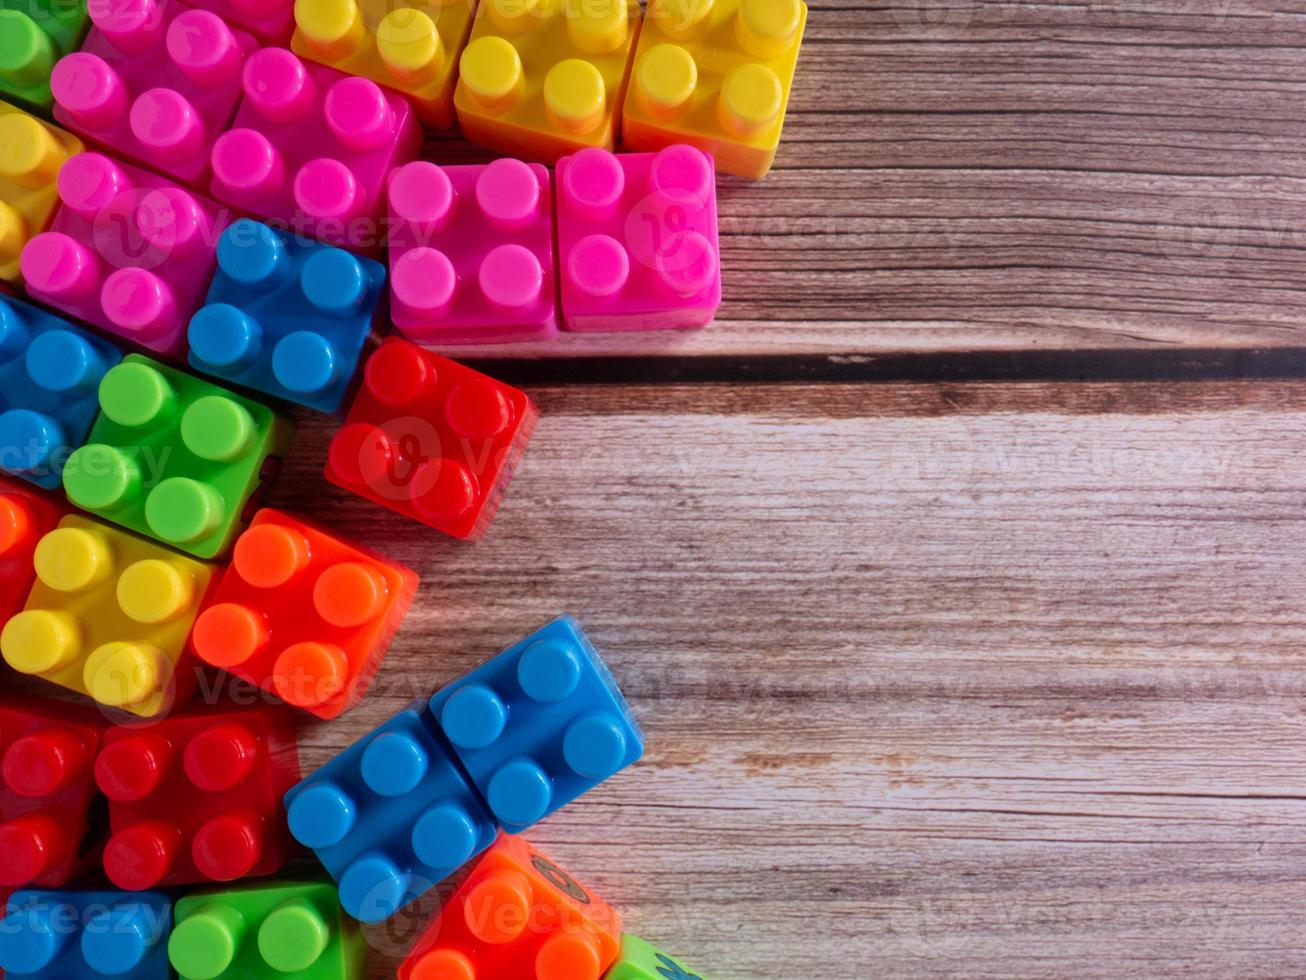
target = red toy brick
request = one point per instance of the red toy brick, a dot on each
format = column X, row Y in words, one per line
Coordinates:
column 197, row 797
column 51, row 816
column 431, row 439
column 304, row 614
column 155, row 82
column 25, row 516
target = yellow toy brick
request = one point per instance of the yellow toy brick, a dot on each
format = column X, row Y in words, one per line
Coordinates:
column 545, row 78
column 31, row 153
column 715, row 74
column 110, row 617
column 408, row 45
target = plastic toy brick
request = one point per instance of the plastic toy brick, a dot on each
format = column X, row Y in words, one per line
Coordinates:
column 52, row 824
column 48, row 935
column 311, row 147
column 391, row 816
column 49, row 373
column 109, row 617
column 640, row 960
column 538, row 725
column 282, row 928
column 31, row 153
column 286, row 316
column 304, row 614
column 544, row 78
column 34, row 34
column 271, row 21
column 127, row 251
column 25, row 517
column 197, row 797
column 175, row 457
column 155, row 82
column 519, row 915
column 410, row 45
column 431, row 439
column 717, row 74
column 637, row 240
column 471, row 253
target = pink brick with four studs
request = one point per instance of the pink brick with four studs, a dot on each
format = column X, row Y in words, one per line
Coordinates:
column 127, row 251
column 310, row 149
column 156, row 82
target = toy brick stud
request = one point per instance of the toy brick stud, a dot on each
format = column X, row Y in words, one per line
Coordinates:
column 27, row 53
column 30, row 153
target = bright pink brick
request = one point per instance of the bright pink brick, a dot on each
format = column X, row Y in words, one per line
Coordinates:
column 471, row 253
column 127, row 251
column 156, row 82
column 637, row 240
column 311, row 147
column 271, row 21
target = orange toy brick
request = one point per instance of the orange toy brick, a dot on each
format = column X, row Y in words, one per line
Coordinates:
column 409, row 45
column 26, row 516
column 544, row 78
column 715, row 74
column 304, row 614
column 31, row 153
column 517, row 915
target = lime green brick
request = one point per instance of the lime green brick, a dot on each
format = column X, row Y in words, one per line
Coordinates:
column 34, row 34
column 641, row 960
column 174, row 457
column 270, row 929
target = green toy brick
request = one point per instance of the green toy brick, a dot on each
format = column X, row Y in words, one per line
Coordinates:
column 174, row 457
column 271, row 929
column 641, row 960
column 34, row 34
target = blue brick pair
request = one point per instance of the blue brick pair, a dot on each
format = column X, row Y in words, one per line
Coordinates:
column 503, row 747
column 63, row 934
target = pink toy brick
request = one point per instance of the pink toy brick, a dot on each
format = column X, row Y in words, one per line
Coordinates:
column 271, row 21
column 127, row 251
column 156, row 82
column 311, row 147
column 471, row 253
column 637, row 240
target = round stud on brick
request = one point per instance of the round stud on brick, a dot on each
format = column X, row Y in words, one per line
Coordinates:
column 167, row 125
column 598, row 267
column 58, row 266
column 222, row 757
column 398, row 373
column 597, row 26
column 751, row 99
column 254, row 255
column 293, row 936
column 575, row 96
column 204, row 48
column 410, row 45
column 268, row 556
column 138, row 302
column 171, row 221
column 443, row 964
column 326, row 189
column 135, row 394
column 60, row 360
column 229, row 634
column 322, row 815
column 246, row 165
column 422, row 284
column 14, row 233
column 16, row 529
column 43, row 763
column 130, row 769
column 519, row 792
column 306, row 363
column 204, row 944
column 125, row 675
column 87, row 88
column 333, row 28
column 447, row 491
column 686, row 264
column 308, row 674
column 14, row 334
column 680, row 19
column 224, row 337
column 182, row 511
column 593, row 182
column 768, row 28
column 98, row 477
column 156, row 590
column 473, row 717
column 665, row 80
column 142, row 855
column 511, row 278
column 36, row 437
column 27, row 53
column 498, row 907
column 229, row 846
column 335, row 282
column 350, row 595
column 355, row 449
column 34, row 936
column 132, row 26
column 30, row 155
column 394, row 763
column 278, row 86
column 218, row 428
column 74, row 559
column 549, row 670
column 89, row 182
column 682, row 173
column 568, row 956
column 373, row 888
column 444, row 837
column 116, row 940
column 477, row 409
column 508, row 193
column 516, row 16
column 33, row 845
column 421, row 194
column 491, row 72
column 359, row 114
column 594, row 745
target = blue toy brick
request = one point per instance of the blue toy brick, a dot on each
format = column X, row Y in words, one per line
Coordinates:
column 391, row 816
column 540, row 724
column 68, row 935
column 50, row 371
column 286, row 316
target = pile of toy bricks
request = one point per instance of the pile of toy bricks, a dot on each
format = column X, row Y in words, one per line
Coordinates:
column 216, row 214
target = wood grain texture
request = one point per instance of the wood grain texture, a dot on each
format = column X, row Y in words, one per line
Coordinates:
column 963, row 175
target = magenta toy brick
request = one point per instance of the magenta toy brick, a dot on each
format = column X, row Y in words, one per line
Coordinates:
column 156, row 82
column 271, row 21
column 471, row 253
column 127, row 251
column 311, row 147
column 637, row 240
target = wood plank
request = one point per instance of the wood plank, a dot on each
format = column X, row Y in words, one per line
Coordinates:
column 977, row 175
